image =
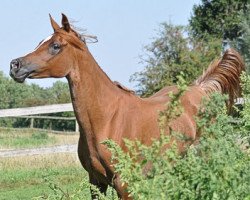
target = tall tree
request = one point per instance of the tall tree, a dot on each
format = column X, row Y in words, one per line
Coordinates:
column 174, row 51
column 226, row 19
column 4, row 97
column 218, row 18
column 59, row 92
column 244, row 41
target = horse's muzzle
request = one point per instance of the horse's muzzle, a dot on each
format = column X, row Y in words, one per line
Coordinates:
column 15, row 64
column 19, row 71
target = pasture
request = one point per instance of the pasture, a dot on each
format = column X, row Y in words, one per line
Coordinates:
column 29, row 138
column 30, row 177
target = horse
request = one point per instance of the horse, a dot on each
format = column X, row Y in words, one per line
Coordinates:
column 107, row 110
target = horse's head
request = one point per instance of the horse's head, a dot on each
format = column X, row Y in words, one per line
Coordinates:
column 51, row 56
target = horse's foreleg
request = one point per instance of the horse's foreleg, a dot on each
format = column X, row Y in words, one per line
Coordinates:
column 100, row 186
column 84, row 161
column 121, row 189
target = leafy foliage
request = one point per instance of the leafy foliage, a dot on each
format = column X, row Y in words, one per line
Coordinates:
column 218, row 18
column 173, row 108
column 225, row 19
column 245, row 113
column 80, row 192
column 215, row 168
column 31, row 95
column 243, row 42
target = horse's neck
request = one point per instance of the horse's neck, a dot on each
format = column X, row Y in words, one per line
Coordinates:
column 93, row 94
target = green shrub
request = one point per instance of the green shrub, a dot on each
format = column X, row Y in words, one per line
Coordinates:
column 218, row 167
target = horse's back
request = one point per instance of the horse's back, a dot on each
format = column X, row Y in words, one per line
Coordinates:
column 190, row 97
column 162, row 94
column 190, row 102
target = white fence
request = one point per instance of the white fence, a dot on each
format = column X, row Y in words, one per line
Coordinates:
column 30, row 113
column 15, row 112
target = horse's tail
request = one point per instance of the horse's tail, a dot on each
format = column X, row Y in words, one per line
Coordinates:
column 223, row 75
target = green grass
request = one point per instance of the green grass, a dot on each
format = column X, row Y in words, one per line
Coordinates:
column 19, row 140
column 28, row 138
column 28, row 184
column 32, row 177
column 39, row 176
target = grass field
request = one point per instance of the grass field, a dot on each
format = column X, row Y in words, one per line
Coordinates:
column 36, row 177
column 33, row 177
column 28, row 138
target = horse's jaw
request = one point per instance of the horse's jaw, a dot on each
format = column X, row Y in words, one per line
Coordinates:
column 20, row 75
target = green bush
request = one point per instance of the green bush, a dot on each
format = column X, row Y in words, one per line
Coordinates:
column 218, row 167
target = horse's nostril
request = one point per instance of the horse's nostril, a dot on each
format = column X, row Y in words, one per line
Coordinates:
column 15, row 64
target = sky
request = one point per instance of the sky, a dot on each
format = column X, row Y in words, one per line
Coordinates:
column 123, row 28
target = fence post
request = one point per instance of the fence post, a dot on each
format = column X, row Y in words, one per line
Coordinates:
column 31, row 122
column 50, row 125
column 76, row 126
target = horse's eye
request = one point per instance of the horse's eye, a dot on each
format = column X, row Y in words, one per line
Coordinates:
column 54, row 48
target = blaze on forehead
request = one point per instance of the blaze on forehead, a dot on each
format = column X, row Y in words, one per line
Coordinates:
column 71, row 38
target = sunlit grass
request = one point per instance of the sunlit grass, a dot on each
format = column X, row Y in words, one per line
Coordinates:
column 31, row 177
column 27, row 177
column 28, row 138
column 39, row 161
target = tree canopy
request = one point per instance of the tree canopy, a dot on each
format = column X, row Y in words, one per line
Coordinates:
column 219, row 18
column 243, row 42
column 226, row 19
column 16, row 95
column 214, row 26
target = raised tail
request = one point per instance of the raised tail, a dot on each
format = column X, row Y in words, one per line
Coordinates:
column 223, row 75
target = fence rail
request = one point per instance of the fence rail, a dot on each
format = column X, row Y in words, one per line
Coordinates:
column 33, row 112
column 15, row 112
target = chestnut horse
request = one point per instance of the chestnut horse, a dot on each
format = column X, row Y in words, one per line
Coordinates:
column 107, row 110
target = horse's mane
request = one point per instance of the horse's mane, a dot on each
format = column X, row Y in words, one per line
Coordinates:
column 223, row 75
column 81, row 33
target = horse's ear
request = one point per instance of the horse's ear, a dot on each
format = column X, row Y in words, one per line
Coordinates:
column 65, row 23
column 54, row 25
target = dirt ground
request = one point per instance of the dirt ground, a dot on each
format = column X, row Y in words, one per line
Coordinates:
column 39, row 151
